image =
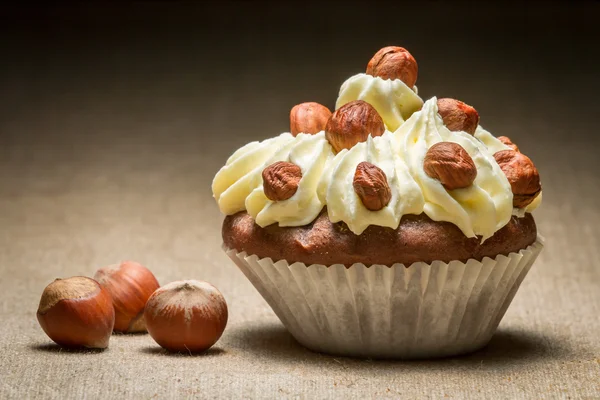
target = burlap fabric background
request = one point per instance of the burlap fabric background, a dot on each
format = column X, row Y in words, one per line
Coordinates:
column 114, row 119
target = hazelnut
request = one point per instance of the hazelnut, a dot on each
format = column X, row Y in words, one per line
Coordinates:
column 450, row 164
column 77, row 312
column 308, row 118
column 186, row 316
column 522, row 175
column 371, row 186
column 130, row 284
column 506, row 140
column 281, row 180
column 458, row 116
column 353, row 123
column 394, row 62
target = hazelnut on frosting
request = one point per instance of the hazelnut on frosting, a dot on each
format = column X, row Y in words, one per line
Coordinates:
column 308, row 118
column 394, row 62
column 383, row 153
column 352, row 123
column 394, row 101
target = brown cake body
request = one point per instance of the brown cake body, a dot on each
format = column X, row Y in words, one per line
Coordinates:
column 418, row 238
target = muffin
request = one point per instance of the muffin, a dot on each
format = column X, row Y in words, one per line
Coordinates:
column 391, row 228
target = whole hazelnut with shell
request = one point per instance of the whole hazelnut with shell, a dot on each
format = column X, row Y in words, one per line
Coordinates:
column 77, row 312
column 130, row 284
column 186, row 316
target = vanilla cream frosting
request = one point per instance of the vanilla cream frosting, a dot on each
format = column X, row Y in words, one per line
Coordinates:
column 238, row 185
column 327, row 178
column 394, row 101
column 337, row 191
column 480, row 209
column 489, row 140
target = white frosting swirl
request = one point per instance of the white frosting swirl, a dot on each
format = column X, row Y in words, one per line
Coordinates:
column 240, row 175
column 343, row 204
column 238, row 185
column 490, row 141
column 392, row 99
column 327, row 179
column 480, row 209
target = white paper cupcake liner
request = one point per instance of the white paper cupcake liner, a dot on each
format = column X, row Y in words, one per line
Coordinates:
column 425, row 310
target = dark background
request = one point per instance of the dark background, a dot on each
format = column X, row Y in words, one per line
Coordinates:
column 85, row 83
column 115, row 116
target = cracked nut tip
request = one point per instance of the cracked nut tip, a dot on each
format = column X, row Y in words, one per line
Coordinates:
column 280, row 180
column 458, row 116
column 308, row 118
column 450, row 164
column 394, row 62
column 352, row 123
column 371, row 186
column 522, row 175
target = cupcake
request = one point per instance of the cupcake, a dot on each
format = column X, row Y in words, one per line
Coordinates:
column 391, row 228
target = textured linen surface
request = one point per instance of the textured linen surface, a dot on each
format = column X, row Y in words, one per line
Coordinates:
column 114, row 119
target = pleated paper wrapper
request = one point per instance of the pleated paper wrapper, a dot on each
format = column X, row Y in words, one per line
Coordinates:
column 423, row 311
